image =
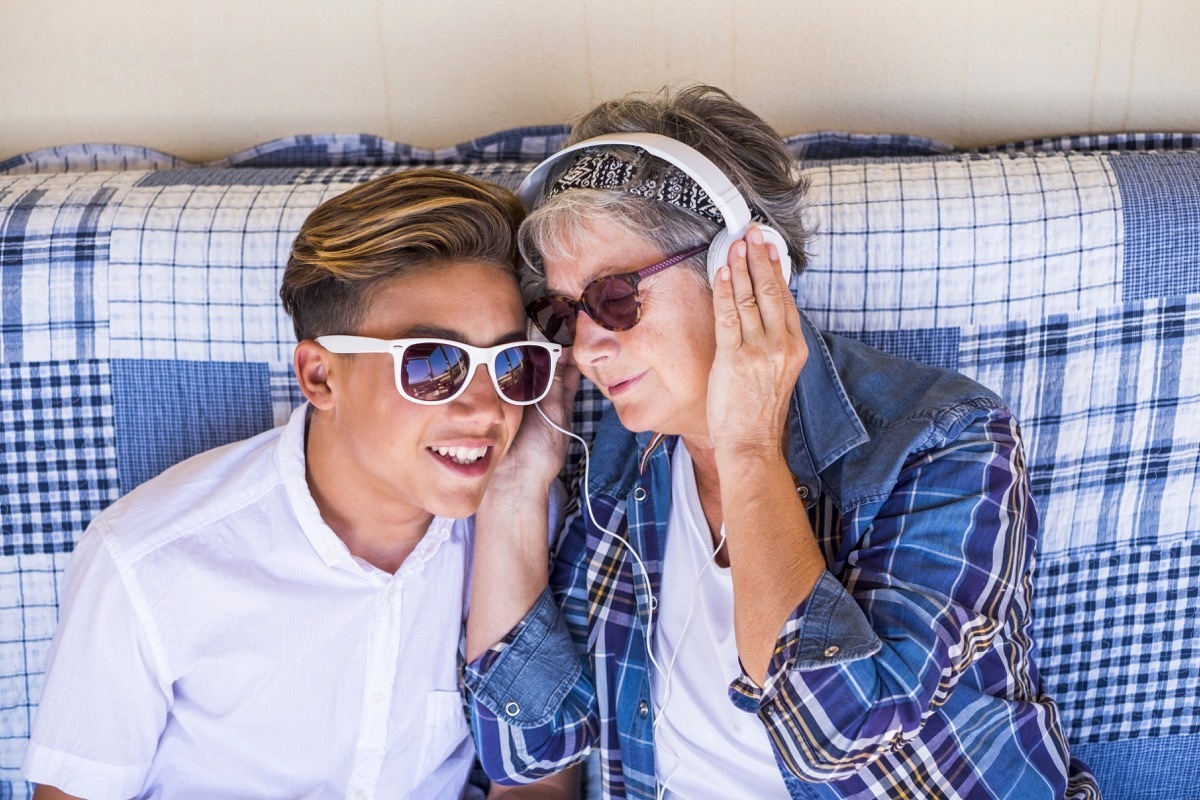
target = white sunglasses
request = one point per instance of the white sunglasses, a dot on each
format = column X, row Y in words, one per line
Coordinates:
column 434, row 371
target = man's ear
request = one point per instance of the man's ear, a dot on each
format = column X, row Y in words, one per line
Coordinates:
column 313, row 365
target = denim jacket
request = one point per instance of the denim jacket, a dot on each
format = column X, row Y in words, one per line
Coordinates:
column 908, row 671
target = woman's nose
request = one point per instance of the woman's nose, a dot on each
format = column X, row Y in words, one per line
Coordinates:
column 593, row 342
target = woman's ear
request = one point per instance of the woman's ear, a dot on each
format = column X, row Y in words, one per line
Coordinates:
column 312, row 365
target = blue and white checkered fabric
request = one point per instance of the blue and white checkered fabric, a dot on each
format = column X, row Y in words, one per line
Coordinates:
column 89, row 158
column 139, row 324
column 1109, row 142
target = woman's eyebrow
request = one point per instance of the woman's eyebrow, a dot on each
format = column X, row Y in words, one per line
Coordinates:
column 589, row 279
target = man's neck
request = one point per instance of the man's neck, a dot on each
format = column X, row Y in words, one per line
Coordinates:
column 376, row 528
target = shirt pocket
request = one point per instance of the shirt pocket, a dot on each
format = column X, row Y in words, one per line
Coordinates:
column 445, row 729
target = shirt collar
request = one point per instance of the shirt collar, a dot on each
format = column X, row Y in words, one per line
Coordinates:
column 328, row 545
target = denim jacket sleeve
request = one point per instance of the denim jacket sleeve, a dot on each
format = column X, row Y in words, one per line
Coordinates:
column 532, row 703
column 940, row 567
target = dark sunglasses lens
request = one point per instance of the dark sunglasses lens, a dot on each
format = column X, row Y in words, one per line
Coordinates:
column 523, row 372
column 612, row 302
column 433, row 371
column 555, row 318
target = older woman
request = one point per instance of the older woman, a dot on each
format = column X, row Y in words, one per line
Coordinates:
column 800, row 566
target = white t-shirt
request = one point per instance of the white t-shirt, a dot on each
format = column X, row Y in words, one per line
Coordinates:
column 217, row 639
column 704, row 746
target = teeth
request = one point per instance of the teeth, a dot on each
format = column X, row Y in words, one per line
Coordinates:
column 461, row 455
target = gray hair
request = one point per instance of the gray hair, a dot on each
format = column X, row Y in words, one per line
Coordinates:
column 737, row 141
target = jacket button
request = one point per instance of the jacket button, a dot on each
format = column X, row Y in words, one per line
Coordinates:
column 802, row 491
column 832, row 651
column 643, row 708
column 639, row 494
column 512, row 708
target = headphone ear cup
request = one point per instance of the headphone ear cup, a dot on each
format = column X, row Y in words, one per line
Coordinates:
column 718, row 253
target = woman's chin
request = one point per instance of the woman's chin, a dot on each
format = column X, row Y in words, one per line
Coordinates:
column 633, row 417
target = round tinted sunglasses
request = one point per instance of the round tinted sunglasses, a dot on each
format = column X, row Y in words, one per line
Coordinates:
column 433, row 371
column 612, row 301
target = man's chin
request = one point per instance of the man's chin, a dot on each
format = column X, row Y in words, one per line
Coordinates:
column 457, row 506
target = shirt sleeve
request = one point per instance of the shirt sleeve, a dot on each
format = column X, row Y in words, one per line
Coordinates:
column 104, row 700
column 865, row 660
column 533, row 706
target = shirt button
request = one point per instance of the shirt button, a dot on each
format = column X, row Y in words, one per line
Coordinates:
column 643, row 708
column 360, row 795
column 512, row 708
column 639, row 494
column 832, row 651
column 377, row 698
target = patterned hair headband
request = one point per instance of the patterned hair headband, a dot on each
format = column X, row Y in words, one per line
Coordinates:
column 597, row 169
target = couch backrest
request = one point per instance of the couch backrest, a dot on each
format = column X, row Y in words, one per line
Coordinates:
column 139, row 325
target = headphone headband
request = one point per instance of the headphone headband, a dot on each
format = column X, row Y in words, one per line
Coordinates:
column 728, row 201
column 724, row 195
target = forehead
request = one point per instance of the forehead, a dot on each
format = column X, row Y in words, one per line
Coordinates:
column 477, row 301
column 594, row 249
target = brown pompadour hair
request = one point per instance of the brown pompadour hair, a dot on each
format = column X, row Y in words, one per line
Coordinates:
column 388, row 227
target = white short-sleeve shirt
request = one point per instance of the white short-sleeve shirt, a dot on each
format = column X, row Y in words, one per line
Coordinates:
column 217, row 639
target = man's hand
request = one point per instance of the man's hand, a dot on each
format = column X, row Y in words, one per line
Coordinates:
column 563, row 786
column 51, row 793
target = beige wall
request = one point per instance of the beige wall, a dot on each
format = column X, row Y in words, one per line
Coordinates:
column 203, row 78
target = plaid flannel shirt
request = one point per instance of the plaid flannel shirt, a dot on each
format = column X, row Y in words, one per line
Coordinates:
column 908, row 671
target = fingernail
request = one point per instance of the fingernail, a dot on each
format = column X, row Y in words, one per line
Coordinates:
column 741, row 249
column 756, row 236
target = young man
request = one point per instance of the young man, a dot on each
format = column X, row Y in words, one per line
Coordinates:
column 281, row 617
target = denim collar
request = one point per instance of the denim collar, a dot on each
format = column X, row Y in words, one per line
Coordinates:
column 822, row 424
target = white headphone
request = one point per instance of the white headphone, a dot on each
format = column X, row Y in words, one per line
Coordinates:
column 724, row 195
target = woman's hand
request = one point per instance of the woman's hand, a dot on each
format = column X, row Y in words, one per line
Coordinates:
column 773, row 555
column 760, row 349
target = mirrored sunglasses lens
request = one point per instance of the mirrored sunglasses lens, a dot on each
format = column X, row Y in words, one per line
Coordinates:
column 555, row 318
column 523, row 372
column 433, row 371
column 612, row 302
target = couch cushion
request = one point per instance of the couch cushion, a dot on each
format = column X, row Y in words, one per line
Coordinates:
column 1066, row 281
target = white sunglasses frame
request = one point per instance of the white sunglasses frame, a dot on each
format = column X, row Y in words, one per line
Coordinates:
column 478, row 356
